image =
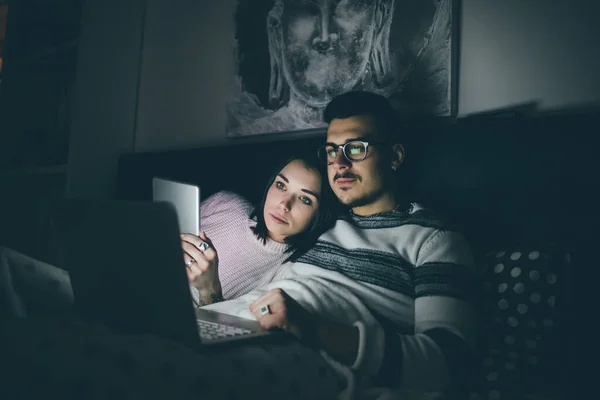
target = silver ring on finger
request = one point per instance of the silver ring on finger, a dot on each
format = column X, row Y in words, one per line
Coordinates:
column 190, row 262
column 264, row 310
column 203, row 246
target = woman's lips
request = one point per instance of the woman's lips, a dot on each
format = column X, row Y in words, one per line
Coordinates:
column 277, row 219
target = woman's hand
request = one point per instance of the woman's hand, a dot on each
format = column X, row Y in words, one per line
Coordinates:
column 202, row 264
column 276, row 309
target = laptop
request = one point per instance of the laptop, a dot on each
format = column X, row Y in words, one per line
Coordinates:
column 126, row 266
column 184, row 197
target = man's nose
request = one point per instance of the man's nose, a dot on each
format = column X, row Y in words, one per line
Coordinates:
column 340, row 161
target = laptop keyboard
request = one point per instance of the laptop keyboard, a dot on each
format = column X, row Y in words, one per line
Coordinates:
column 212, row 330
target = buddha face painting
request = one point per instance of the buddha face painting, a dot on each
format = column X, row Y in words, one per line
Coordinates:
column 323, row 47
column 318, row 49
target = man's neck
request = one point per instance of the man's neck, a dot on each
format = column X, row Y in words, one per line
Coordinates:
column 385, row 203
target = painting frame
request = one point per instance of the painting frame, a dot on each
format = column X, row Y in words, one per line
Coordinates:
column 451, row 71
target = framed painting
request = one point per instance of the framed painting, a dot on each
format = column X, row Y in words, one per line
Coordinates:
column 294, row 56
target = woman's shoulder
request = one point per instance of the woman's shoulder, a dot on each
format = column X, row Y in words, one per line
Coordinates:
column 226, row 201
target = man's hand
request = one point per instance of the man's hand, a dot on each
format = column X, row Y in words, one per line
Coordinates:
column 202, row 265
column 339, row 340
column 284, row 313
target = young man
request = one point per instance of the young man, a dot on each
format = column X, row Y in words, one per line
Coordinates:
column 393, row 287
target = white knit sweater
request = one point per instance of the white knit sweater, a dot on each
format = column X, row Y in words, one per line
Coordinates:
column 245, row 263
column 406, row 268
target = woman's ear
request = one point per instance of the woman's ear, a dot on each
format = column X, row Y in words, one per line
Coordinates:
column 397, row 155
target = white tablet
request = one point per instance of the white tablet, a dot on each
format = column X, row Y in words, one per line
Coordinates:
column 184, row 197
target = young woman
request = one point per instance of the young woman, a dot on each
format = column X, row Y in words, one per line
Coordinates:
column 69, row 357
column 251, row 242
column 241, row 247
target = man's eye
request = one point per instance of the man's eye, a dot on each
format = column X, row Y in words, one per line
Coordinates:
column 332, row 153
column 355, row 150
column 279, row 185
column 306, row 201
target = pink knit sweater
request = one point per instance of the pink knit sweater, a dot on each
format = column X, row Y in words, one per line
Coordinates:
column 245, row 263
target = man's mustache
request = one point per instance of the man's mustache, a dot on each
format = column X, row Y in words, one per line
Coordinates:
column 346, row 175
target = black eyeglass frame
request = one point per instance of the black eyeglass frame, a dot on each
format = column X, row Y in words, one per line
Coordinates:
column 343, row 147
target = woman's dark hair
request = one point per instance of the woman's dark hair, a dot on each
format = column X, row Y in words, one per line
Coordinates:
column 323, row 220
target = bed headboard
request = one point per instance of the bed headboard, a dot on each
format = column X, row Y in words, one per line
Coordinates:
column 500, row 179
column 241, row 167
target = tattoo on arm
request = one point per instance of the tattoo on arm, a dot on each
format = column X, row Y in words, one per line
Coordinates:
column 214, row 297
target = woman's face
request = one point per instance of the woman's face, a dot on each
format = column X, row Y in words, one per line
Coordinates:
column 292, row 201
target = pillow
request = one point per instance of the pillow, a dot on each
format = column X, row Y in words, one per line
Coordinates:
column 520, row 322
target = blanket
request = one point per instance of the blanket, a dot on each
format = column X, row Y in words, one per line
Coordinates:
column 48, row 352
column 73, row 358
column 66, row 358
column 328, row 298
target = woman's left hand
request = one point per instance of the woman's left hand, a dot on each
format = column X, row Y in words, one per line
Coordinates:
column 285, row 313
column 202, row 264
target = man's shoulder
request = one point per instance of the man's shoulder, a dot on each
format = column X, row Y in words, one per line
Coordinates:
column 429, row 218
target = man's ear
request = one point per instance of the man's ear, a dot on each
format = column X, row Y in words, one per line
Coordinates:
column 397, row 155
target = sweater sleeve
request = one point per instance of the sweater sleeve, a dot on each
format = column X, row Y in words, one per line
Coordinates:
column 217, row 210
column 439, row 351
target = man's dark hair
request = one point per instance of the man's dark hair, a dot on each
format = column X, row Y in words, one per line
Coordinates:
column 356, row 103
column 323, row 220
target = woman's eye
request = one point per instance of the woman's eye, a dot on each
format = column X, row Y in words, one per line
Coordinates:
column 279, row 185
column 306, row 201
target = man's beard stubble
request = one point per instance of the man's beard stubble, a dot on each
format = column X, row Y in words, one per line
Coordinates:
column 365, row 200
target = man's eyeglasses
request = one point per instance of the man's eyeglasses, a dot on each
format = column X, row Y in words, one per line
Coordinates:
column 354, row 151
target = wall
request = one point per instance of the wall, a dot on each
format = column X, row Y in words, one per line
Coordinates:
column 3, row 12
column 187, row 62
column 35, row 114
column 38, row 78
column 511, row 52
column 106, row 94
column 516, row 51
